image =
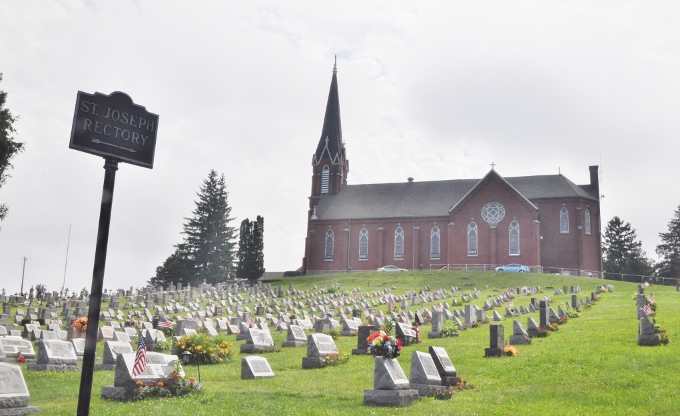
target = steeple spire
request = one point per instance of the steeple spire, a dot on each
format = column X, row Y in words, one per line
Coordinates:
column 330, row 142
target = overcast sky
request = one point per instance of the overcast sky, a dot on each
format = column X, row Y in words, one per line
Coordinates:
column 429, row 89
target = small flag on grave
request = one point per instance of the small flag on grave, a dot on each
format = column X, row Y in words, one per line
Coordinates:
column 165, row 323
column 140, row 358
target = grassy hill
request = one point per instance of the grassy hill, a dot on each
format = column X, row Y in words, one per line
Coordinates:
column 591, row 366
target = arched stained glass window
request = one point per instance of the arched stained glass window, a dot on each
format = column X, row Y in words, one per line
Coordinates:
column 514, row 238
column 363, row 244
column 564, row 221
column 399, row 243
column 329, row 244
column 434, row 243
column 472, row 239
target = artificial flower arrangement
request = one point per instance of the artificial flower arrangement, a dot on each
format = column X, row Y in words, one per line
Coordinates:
column 80, row 323
column 511, row 351
column 382, row 345
column 21, row 358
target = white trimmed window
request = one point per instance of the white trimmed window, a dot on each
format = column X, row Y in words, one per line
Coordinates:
column 589, row 227
column 363, row 244
column 329, row 245
column 514, row 238
column 399, row 243
column 434, row 243
column 564, row 221
column 472, row 239
column 325, row 178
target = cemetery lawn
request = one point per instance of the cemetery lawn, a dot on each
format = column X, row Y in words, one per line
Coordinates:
column 591, row 366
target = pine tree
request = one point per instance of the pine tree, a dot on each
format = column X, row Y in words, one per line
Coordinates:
column 669, row 249
column 622, row 251
column 8, row 147
column 251, row 249
column 207, row 252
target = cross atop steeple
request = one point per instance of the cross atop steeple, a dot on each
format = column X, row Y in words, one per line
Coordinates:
column 335, row 65
column 493, row 165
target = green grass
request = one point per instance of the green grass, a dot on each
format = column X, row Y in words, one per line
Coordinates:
column 591, row 366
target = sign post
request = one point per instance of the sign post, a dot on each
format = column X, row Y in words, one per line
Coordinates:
column 114, row 127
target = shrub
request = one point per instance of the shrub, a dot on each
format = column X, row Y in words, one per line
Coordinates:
column 163, row 346
column 449, row 330
column 205, row 348
column 333, row 332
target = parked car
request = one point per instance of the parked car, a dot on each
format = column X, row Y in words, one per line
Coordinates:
column 513, row 268
column 391, row 268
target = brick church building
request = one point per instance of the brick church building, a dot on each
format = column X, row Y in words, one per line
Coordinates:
column 543, row 220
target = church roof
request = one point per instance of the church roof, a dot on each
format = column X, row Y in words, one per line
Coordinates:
column 331, row 133
column 433, row 198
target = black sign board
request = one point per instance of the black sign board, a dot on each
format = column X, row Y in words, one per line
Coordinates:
column 113, row 126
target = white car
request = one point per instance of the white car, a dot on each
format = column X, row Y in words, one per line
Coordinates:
column 391, row 268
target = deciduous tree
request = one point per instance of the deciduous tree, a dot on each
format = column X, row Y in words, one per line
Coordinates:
column 8, row 146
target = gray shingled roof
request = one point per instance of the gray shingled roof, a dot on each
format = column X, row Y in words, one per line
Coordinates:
column 433, row 198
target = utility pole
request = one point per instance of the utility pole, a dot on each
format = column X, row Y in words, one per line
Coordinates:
column 21, row 292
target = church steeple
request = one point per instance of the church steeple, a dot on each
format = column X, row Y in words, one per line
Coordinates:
column 329, row 161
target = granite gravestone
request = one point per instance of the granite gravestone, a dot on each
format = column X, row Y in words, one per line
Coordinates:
column 364, row 331
column 390, row 385
column 519, row 334
column 112, row 349
column 424, row 376
column 55, row 355
column 445, row 368
column 318, row 347
column 296, row 337
column 257, row 340
column 496, row 341
column 255, row 367
column 14, row 393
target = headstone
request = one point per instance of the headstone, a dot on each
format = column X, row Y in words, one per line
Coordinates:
column 405, row 334
column 254, row 367
column 13, row 346
column 445, row 367
column 532, row 327
column 364, row 331
column 158, row 368
column 112, row 349
column 437, row 324
column 14, row 395
column 647, row 335
column 390, row 386
column 55, row 355
column 257, row 340
column 424, row 376
column 318, row 347
column 496, row 341
column 296, row 337
column 519, row 334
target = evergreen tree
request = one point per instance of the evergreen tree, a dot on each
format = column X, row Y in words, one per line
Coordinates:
column 622, row 251
column 207, row 252
column 251, row 249
column 669, row 249
column 176, row 269
column 8, row 147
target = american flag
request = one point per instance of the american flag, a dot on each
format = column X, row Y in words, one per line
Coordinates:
column 140, row 358
column 278, row 324
column 511, row 304
column 646, row 284
column 367, row 313
column 165, row 323
column 249, row 321
column 647, row 309
column 651, row 298
column 56, row 321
